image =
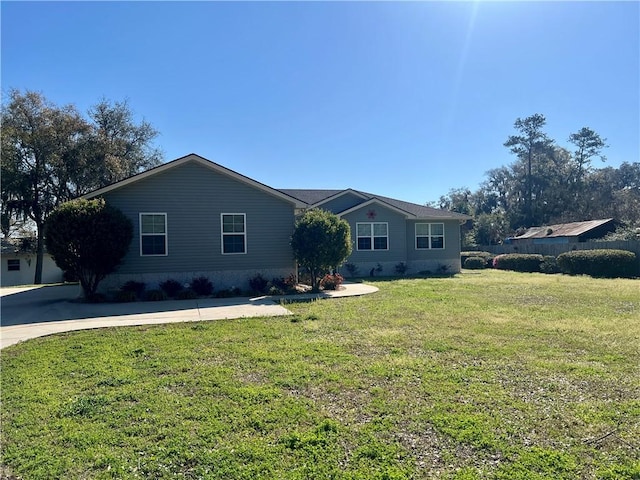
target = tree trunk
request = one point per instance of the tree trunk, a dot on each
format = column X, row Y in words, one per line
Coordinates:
column 37, row 280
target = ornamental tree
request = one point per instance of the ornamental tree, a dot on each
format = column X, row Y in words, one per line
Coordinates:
column 321, row 241
column 88, row 239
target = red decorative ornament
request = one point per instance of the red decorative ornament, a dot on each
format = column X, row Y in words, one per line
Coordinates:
column 371, row 214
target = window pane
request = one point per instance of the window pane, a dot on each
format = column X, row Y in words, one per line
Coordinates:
column 422, row 242
column 422, row 229
column 153, row 224
column 380, row 243
column 364, row 243
column 437, row 229
column 233, row 223
column 233, row 243
column 380, row 229
column 153, row 245
column 13, row 265
column 364, row 230
column 437, row 242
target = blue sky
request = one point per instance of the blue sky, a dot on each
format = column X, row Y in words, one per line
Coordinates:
column 403, row 99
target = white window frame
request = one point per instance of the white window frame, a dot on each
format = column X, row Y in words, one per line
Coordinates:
column 429, row 236
column 373, row 236
column 165, row 235
column 243, row 233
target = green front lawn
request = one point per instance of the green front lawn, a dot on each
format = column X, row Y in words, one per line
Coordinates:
column 486, row 375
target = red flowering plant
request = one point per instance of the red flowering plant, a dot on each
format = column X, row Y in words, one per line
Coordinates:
column 331, row 281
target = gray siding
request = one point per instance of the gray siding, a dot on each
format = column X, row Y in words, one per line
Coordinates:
column 397, row 235
column 342, row 203
column 451, row 242
column 402, row 245
column 193, row 197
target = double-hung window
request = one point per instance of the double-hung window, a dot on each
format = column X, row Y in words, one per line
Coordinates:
column 372, row 236
column 429, row 236
column 234, row 233
column 153, row 234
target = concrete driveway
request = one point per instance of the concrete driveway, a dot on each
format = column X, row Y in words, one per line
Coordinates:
column 31, row 312
column 35, row 312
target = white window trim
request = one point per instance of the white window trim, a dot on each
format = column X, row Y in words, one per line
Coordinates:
column 166, row 235
column 372, row 237
column 430, row 236
column 222, row 234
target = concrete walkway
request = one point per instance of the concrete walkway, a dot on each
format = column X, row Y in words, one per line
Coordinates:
column 30, row 312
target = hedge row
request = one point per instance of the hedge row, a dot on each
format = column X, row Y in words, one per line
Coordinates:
column 520, row 262
column 596, row 263
column 599, row 263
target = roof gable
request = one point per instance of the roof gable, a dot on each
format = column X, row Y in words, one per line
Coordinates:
column 377, row 201
column 411, row 210
column 206, row 163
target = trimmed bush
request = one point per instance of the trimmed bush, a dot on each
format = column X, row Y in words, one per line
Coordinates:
column 171, row 287
column 599, row 263
column 155, row 295
column 351, row 268
column 259, row 284
column 202, row 286
column 486, row 256
column 187, row 294
column 401, row 268
column 134, row 287
column 549, row 264
column 475, row 263
column 125, row 296
column 518, row 262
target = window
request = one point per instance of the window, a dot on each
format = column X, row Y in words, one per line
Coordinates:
column 153, row 234
column 372, row 236
column 13, row 264
column 234, row 235
column 429, row 236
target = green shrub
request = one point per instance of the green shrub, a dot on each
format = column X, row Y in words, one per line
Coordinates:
column 475, row 263
column 88, row 239
column 549, row 264
column 202, row 286
column 186, row 294
column 229, row 293
column 259, row 284
column 599, row 263
column 96, row 298
column 518, row 262
column 171, row 287
column 134, row 287
column 401, row 268
column 155, row 295
column 468, row 254
column 125, row 296
column 352, row 268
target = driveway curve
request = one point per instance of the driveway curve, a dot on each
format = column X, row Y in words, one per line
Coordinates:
column 31, row 312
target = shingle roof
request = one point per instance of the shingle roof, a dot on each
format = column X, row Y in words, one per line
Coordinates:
column 312, row 196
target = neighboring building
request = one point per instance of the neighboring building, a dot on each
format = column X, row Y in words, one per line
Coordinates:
column 194, row 217
column 565, row 233
column 19, row 265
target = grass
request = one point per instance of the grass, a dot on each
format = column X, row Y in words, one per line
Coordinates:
column 491, row 375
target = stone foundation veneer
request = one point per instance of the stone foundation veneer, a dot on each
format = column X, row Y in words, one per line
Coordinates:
column 221, row 280
column 413, row 267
